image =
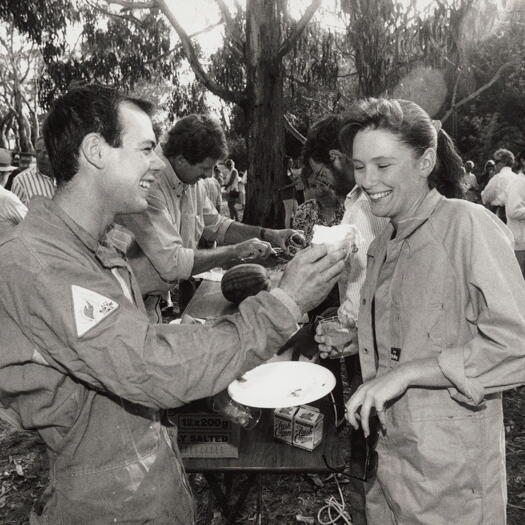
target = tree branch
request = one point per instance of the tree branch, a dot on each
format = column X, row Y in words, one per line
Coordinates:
column 306, row 85
column 29, row 68
column 323, row 106
column 294, row 132
column 133, row 5
column 237, row 45
column 346, row 75
column 455, row 90
column 128, row 18
column 478, row 92
column 169, row 52
column 299, row 28
column 346, row 98
column 191, row 55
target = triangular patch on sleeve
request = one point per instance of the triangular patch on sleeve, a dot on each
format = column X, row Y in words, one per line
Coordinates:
column 90, row 308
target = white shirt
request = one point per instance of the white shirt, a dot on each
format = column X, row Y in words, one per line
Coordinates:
column 359, row 213
column 515, row 210
column 495, row 192
column 12, row 210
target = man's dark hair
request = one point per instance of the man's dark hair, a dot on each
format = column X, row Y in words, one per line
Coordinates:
column 322, row 137
column 196, row 137
column 90, row 108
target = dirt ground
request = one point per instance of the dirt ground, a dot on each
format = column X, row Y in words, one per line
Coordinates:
column 287, row 500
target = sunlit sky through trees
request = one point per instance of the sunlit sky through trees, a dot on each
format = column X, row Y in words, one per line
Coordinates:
column 423, row 85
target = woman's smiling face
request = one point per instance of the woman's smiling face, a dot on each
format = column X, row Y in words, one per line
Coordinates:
column 389, row 171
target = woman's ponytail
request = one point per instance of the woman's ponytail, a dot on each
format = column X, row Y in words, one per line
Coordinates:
column 447, row 173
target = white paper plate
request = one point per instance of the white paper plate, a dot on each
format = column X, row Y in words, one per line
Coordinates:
column 282, row 384
column 215, row 274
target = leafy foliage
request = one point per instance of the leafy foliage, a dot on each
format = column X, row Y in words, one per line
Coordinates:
column 497, row 117
column 438, row 57
column 43, row 21
column 313, row 83
column 120, row 52
column 225, row 66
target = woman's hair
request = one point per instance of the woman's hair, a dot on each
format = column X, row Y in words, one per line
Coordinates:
column 414, row 127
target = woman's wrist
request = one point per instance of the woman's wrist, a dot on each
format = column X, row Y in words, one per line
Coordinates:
column 424, row 372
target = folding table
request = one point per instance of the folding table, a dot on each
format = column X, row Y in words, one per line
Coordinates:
column 259, row 452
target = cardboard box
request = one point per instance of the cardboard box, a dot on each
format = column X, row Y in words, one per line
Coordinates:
column 298, row 426
column 283, row 424
column 207, row 435
column 307, row 427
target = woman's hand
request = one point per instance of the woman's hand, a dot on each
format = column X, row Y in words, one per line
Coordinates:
column 375, row 394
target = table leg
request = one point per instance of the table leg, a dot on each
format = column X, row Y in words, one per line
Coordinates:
column 259, row 499
column 218, row 492
column 230, row 510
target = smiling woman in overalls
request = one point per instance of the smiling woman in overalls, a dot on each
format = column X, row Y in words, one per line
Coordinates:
column 440, row 328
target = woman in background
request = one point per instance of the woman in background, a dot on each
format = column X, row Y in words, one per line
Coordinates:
column 324, row 206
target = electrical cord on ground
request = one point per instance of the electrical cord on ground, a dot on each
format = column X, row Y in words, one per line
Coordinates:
column 335, row 507
column 334, row 408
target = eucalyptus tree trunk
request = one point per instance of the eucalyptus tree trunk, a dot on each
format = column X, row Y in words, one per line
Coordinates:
column 24, row 130
column 264, row 112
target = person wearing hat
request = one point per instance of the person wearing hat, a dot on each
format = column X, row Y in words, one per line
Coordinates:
column 12, row 210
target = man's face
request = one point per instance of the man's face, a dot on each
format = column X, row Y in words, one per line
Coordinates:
column 191, row 173
column 42, row 158
column 340, row 172
column 321, row 182
column 131, row 167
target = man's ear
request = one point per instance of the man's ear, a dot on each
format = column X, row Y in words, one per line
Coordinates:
column 426, row 162
column 92, row 148
column 335, row 154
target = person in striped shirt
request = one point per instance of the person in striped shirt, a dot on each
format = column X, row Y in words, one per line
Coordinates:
column 12, row 211
column 37, row 180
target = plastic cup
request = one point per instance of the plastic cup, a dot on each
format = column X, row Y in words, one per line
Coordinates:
column 247, row 417
column 332, row 327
